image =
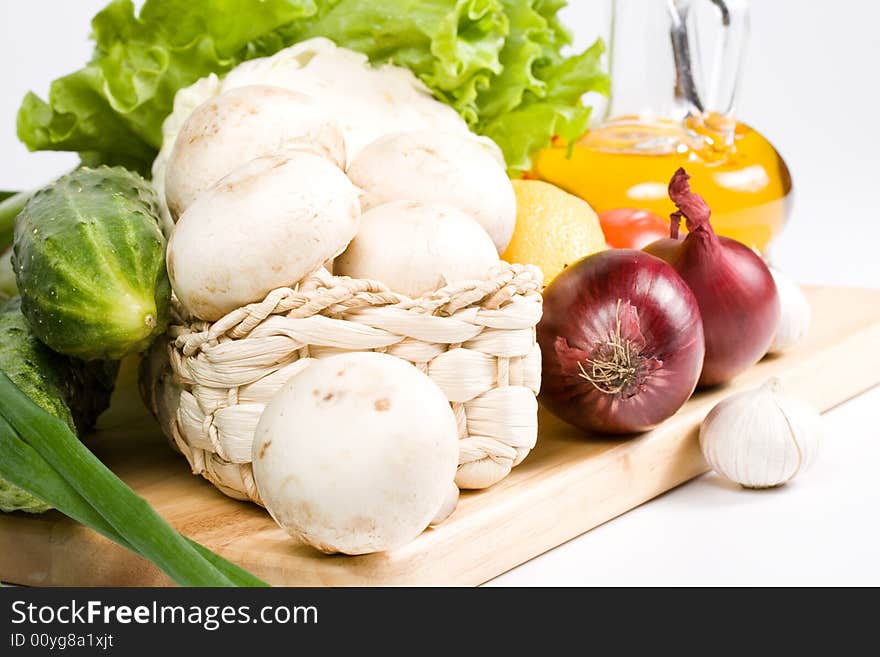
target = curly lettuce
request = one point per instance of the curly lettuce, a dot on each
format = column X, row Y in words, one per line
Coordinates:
column 498, row 63
column 538, row 94
column 111, row 111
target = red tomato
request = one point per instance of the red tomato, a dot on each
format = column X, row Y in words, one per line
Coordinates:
column 630, row 228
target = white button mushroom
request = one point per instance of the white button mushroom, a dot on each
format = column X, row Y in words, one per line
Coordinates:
column 367, row 101
column 266, row 225
column 356, row 454
column 239, row 125
column 415, row 248
column 439, row 167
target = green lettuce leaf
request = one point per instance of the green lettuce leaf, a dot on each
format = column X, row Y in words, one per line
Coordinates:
column 543, row 101
column 499, row 63
column 453, row 46
column 111, row 111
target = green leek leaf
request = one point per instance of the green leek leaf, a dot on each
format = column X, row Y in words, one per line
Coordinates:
column 126, row 516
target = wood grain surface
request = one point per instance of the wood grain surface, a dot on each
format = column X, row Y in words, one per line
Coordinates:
column 568, row 485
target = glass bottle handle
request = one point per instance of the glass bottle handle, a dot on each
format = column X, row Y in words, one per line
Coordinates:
column 728, row 56
column 714, row 92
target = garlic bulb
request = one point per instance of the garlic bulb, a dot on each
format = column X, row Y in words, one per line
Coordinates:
column 761, row 438
column 794, row 316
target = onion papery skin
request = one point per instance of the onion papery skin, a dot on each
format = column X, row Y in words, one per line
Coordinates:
column 659, row 318
column 737, row 298
column 733, row 286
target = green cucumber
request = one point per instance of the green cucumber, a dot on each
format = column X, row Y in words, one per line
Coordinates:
column 74, row 391
column 89, row 260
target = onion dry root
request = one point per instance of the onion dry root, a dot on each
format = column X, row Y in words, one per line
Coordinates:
column 621, row 342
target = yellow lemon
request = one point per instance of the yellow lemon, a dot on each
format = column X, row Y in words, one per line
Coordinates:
column 553, row 228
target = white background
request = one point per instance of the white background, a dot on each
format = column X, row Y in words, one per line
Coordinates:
column 810, row 85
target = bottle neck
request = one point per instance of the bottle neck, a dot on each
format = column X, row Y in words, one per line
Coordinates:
column 657, row 63
column 644, row 80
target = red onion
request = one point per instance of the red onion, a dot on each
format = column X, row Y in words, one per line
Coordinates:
column 621, row 342
column 734, row 288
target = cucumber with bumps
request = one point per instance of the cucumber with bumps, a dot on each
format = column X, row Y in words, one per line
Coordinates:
column 72, row 390
column 89, row 260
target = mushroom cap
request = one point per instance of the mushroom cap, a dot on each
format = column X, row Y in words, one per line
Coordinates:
column 415, row 248
column 356, row 454
column 366, row 100
column 266, row 225
column 239, row 125
column 439, row 167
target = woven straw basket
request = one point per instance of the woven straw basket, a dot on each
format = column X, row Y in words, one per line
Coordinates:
column 208, row 383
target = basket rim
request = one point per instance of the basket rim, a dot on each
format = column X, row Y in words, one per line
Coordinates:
column 322, row 293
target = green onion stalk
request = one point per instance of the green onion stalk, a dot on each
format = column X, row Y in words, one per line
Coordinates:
column 44, row 457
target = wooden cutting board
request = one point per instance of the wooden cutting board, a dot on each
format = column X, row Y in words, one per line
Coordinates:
column 567, row 486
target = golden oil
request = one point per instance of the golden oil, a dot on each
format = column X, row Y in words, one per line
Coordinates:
column 628, row 162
